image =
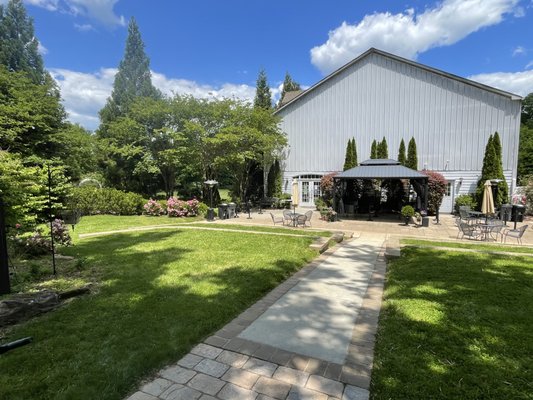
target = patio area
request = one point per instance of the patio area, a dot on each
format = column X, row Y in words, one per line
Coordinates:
column 383, row 224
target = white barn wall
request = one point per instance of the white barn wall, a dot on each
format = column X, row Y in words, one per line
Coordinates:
column 378, row 97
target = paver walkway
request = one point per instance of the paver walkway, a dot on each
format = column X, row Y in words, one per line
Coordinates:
column 312, row 337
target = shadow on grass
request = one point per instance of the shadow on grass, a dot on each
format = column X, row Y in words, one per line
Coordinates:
column 161, row 292
column 455, row 325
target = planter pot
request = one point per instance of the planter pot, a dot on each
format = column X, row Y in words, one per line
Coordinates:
column 406, row 220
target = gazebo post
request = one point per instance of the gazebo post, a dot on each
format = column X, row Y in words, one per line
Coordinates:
column 426, row 190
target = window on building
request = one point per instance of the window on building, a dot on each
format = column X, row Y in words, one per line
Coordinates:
column 448, row 189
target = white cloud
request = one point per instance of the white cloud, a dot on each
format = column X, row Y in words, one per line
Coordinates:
column 98, row 10
column 519, row 50
column 84, row 27
column 409, row 34
column 84, row 94
column 520, row 83
column 529, row 64
column 41, row 49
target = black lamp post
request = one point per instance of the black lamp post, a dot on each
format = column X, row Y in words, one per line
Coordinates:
column 5, row 286
column 210, row 212
column 50, row 218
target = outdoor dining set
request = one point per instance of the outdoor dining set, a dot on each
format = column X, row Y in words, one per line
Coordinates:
column 486, row 227
column 292, row 218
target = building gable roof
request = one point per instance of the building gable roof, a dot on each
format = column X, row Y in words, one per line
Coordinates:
column 382, row 53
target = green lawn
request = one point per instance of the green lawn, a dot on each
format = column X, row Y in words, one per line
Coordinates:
column 278, row 229
column 158, row 294
column 104, row 223
column 494, row 247
column 455, row 325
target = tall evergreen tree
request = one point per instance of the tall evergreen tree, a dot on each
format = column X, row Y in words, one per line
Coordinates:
column 263, row 97
column 355, row 162
column 412, row 158
column 383, row 149
column 493, row 169
column 402, row 159
column 288, row 86
column 132, row 80
column 348, row 156
column 19, row 48
column 374, row 150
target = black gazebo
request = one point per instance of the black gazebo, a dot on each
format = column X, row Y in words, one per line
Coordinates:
column 380, row 169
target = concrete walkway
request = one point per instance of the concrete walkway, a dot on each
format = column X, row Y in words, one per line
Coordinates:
column 312, row 337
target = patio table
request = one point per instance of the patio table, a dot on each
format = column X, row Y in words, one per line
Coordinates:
column 294, row 216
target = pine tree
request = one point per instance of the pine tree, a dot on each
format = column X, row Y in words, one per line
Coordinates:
column 348, row 156
column 412, row 158
column 355, row 162
column 503, row 189
column 288, row 86
column 382, row 149
column 19, row 48
column 132, row 80
column 401, row 153
column 263, row 97
column 374, row 150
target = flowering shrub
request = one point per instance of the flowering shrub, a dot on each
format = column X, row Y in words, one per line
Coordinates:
column 60, row 233
column 37, row 244
column 182, row 208
column 153, row 208
column 328, row 214
column 327, row 187
column 437, row 188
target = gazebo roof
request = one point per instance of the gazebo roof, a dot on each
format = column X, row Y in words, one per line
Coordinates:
column 380, row 169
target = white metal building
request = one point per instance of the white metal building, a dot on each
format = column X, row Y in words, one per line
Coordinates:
column 381, row 95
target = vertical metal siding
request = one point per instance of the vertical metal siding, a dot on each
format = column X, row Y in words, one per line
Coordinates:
column 378, row 97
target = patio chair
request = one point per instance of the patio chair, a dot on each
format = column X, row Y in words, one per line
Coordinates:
column 277, row 220
column 308, row 216
column 497, row 228
column 464, row 213
column 470, row 231
column 517, row 234
column 301, row 220
column 287, row 218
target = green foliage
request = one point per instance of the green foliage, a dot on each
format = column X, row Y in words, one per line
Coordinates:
column 288, row 86
column 374, row 150
column 78, row 150
column 90, row 201
column 19, row 48
column 436, row 189
column 327, row 188
column 465, row 200
column 132, row 80
column 30, row 115
column 350, row 160
column 24, row 189
column 382, row 150
column 263, row 97
column 525, row 150
column 408, row 211
column 402, row 159
column 493, row 169
column 412, row 158
column 527, row 111
column 274, row 180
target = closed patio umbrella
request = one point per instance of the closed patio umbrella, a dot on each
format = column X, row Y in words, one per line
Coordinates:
column 294, row 193
column 487, row 206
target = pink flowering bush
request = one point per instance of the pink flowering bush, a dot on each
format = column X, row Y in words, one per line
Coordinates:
column 182, row 208
column 153, row 208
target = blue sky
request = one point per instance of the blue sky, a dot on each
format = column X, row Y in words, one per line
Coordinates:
column 214, row 48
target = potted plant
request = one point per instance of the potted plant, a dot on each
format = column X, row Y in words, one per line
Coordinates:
column 407, row 213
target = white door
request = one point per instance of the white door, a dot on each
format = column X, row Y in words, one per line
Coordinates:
column 448, row 200
column 309, row 192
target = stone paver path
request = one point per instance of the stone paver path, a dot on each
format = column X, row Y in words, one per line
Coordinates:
column 312, row 337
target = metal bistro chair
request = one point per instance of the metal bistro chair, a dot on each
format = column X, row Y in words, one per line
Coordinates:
column 277, row 220
column 470, row 231
column 517, row 234
column 301, row 220
column 464, row 213
column 308, row 216
column 287, row 217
